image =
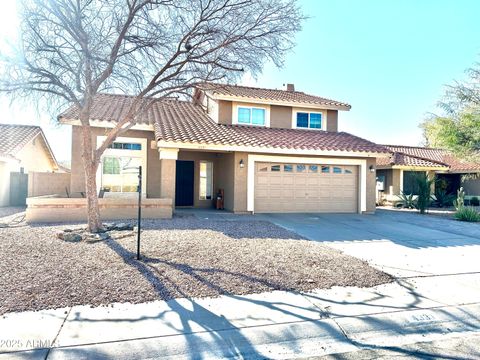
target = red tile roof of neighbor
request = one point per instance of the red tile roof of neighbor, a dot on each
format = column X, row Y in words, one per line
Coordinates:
column 427, row 157
column 14, row 137
column 271, row 95
column 185, row 122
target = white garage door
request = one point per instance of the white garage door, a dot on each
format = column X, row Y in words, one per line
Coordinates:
column 283, row 187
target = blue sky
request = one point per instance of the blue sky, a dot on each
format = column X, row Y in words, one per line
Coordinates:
column 389, row 59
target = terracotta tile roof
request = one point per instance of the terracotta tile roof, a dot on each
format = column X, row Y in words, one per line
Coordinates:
column 272, row 95
column 185, row 122
column 401, row 159
column 14, row 137
column 430, row 157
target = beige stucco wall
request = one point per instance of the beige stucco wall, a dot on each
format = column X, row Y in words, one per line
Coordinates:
column 43, row 183
column 34, row 156
column 224, row 112
column 50, row 209
column 153, row 177
column 224, row 178
column 281, row 117
column 332, row 120
column 472, row 187
column 371, row 186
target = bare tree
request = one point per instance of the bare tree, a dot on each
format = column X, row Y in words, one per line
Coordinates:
column 70, row 50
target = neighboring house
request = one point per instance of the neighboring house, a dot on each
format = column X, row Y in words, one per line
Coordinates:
column 23, row 149
column 397, row 173
column 269, row 150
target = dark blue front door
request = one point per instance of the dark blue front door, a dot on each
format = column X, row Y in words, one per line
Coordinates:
column 184, row 183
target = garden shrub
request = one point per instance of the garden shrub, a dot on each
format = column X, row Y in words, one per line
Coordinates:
column 467, row 213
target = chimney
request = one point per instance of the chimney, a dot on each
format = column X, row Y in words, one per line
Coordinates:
column 291, row 87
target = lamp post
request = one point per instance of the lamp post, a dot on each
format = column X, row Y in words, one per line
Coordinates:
column 139, row 220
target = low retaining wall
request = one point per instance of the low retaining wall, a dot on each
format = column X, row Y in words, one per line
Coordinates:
column 44, row 183
column 55, row 209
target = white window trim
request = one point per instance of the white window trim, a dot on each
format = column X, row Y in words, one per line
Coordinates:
column 361, row 163
column 235, row 108
column 122, row 152
column 309, row 111
column 200, row 184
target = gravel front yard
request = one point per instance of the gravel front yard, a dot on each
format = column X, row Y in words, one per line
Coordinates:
column 183, row 257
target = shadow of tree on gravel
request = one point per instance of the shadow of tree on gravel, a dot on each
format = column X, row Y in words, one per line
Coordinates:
column 219, row 333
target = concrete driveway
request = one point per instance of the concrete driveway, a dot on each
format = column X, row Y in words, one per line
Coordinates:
column 399, row 243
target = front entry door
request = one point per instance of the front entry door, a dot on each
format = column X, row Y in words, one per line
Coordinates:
column 184, row 183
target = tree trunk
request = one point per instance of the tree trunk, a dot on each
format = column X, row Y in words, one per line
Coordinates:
column 90, row 166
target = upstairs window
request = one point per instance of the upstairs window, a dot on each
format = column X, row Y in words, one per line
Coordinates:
column 251, row 116
column 309, row 120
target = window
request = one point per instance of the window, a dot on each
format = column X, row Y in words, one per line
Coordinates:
column 251, row 116
column 206, row 180
column 348, row 171
column 120, row 173
column 337, row 170
column 307, row 120
column 313, row 168
column 410, row 182
column 325, row 169
column 125, row 146
column 288, row 168
column 275, row 168
column 263, row 168
column 301, row 168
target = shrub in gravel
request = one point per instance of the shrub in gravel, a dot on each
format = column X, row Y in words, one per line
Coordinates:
column 467, row 213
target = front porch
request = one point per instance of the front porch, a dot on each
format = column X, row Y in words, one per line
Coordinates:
column 194, row 179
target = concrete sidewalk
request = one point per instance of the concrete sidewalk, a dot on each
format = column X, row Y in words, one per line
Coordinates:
column 270, row 325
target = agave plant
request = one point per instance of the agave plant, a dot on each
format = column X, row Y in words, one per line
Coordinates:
column 408, row 200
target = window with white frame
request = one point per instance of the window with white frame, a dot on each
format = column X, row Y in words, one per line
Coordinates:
column 120, row 173
column 206, row 180
column 251, row 115
column 118, row 170
column 309, row 120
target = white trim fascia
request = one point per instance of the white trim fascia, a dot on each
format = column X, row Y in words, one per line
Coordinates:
column 118, row 152
column 235, row 114
column 105, row 124
column 252, row 159
column 282, row 103
column 268, row 150
column 309, row 111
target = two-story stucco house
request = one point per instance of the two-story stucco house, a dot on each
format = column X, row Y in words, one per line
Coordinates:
column 268, row 150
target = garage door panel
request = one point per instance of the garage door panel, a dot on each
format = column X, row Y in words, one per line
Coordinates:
column 302, row 190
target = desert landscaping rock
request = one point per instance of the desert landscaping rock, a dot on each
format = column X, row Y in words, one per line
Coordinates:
column 72, row 237
column 182, row 257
